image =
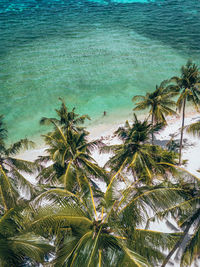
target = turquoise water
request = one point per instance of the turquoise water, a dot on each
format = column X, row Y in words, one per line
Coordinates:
column 94, row 54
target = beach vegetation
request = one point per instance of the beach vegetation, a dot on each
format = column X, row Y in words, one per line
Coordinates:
column 107, row 229
column 194, row 128
column 19, row 247
column 188, row 85
column 13, row 171
column 66, row 118
column 159, row 103
column 136, row 155
column 187, row 215
column 68, row 150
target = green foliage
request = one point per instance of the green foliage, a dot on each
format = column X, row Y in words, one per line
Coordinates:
column 70, row 152
column 17, row 246
column 188, row 85
column 159, row 102
column 194, row 129
column 136, row 155
column 68, row 119
column 107, row 233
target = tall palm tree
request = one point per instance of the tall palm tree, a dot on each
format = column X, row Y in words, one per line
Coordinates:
column 159, row 103
column 135, row 154
column 105, row 230
column 189, row 88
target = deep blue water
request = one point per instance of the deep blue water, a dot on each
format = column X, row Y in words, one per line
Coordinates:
column 95, row 54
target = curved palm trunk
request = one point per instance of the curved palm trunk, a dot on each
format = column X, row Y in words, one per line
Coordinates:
column 152, row 135
column 181, row 140
column 177, row 245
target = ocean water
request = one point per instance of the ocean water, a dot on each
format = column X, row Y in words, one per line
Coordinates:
column 96, row 54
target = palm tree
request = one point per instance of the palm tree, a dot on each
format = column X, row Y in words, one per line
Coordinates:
column 159, row 103
column 68, row 148
column 12, row 169
column 194, row 128
column 188, row 85
column 135, row 154
column 70, row 153
column 18, row 247
column 187, row 215
column 105, row 230
column 68, row 119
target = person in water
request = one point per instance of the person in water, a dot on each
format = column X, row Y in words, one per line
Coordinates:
column 104, row 113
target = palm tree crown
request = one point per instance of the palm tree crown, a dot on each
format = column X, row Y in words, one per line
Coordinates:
column 70, row 154
column 159, row 103
column 188, row 86
column 105, row 229
column 66, row 118
column 135, row 154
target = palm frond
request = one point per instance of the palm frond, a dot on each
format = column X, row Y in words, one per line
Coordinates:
column 194, row 128
column 192, row 249
column 22, row 165
column 21, row 144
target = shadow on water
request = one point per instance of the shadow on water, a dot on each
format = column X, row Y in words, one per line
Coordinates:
column 173, row 22
column 96, row 56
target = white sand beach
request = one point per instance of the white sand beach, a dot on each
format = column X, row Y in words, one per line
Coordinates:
column 105, row 129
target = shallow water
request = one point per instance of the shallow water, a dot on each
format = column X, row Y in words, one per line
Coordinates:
column 94, row 54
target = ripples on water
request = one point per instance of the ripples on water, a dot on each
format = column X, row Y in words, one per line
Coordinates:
column 96, row 56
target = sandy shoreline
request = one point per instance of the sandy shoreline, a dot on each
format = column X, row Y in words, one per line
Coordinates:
column 106, row 126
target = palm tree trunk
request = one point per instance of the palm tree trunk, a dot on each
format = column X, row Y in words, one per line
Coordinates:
column 182, row 128
column 152, row 135
column 177, row 245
